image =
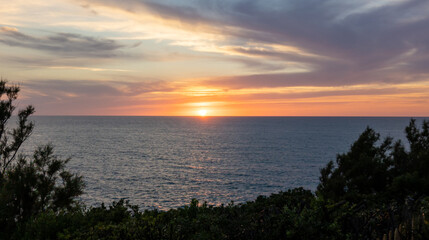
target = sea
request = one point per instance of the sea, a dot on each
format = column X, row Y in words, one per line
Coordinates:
column 165, row 162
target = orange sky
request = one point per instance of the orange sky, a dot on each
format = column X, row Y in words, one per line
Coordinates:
column 228, row 58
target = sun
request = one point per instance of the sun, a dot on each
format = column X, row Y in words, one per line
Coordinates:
column 202, row 112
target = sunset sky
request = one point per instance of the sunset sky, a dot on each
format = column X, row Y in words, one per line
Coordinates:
column 220, row 57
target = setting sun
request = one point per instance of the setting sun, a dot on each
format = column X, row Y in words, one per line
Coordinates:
column 202, row 112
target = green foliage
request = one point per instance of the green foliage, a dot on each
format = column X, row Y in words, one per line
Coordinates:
column 295, row 214
column 11, row 141
column 384, row 182
column 360, row 173
column 29, row 186
column 372, row 171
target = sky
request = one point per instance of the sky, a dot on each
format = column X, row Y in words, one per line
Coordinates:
column 219, row 57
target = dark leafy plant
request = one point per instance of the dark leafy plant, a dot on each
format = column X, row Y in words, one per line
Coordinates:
column 11, row 140
column 29, row 186
column 382, row 181
column 379, row 171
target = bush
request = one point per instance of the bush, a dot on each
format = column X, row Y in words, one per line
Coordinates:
column 384, row 182
column 29, row 186
column 379, row 171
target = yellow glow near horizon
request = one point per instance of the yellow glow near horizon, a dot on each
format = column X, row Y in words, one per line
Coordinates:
column 202, row 112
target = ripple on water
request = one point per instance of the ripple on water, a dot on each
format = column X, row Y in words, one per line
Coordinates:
column 164, row 162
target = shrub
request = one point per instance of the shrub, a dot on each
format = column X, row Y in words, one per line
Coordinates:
column 29, row 186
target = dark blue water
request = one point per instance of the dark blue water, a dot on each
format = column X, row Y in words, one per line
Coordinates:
column 164, row 162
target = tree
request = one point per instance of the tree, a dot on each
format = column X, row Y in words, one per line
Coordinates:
column 9, row 150
column 360, row 173
column 385, row 183
column 381, row 171
column 29, row 186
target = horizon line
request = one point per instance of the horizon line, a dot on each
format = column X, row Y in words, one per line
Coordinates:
column 208, row 116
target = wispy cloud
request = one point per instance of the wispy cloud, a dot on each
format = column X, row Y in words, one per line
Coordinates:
column 372, row 38
column 91, row 97
column 232, row 54
column 66, row 44
column 155, row 97
column 90, row 88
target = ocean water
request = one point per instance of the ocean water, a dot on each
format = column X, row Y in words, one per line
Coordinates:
column 164, row 162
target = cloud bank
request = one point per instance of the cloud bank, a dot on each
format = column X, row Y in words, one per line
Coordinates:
column 234, row 54
column 345, row 39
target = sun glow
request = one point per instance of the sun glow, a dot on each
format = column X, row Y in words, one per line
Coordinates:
column 202, row 112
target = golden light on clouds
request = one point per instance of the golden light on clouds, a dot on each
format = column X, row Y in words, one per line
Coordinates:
column 239, row 58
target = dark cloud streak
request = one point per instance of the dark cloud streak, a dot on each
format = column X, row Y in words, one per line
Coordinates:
column 357, row 44
column 91, row 88
column 65, row 44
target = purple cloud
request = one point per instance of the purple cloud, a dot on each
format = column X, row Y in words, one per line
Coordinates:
column 371, row 44
column 65, row 44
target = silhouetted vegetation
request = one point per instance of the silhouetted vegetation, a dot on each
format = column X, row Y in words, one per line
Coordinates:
column 386, row 185
column 29, row 186
column 379, row 188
